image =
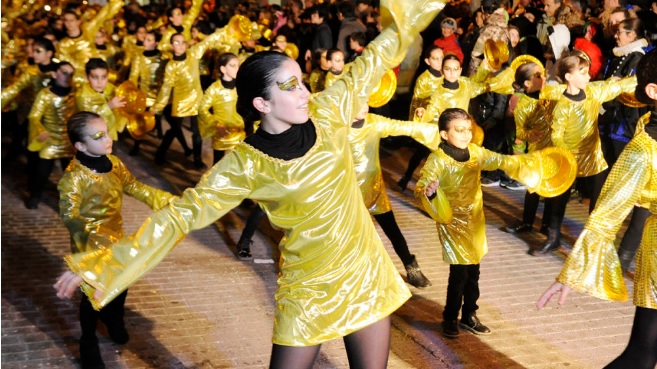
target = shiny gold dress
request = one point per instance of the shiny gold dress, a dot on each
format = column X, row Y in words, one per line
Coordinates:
column 316, row 80
column 335, row 275
column 593, row 266
column 188, row 21
column 575, row 124
column 79, row 50
column 87, row 99
column 90, row 203
column 331, row 77
column 28, row 84
column 182, row 76
column 147, row 72
column 364, row 144
column 535, row 115
column 425, row 85
column 458, row 204
column 223, row 102
column 50, row 113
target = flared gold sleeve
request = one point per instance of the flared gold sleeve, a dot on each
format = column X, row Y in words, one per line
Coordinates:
column 425, row 85
column 90, row 203
column 87, row 99
column 224, row 115
column 335, row 275
column 49, row 114
column 184, row 76
column 28, row 84
column 593, row 266
column 364, row 144
column 575, row 124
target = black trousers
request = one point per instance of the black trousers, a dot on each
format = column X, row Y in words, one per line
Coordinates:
column 462, row 291
column 593, row 184
column 39, row 171
column 641, row 350
column 391, row 229
column 111, row 314
column 420, row 153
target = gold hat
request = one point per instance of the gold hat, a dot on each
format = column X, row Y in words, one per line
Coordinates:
column 384, row 90
column 524, row 59
column 496, row 52
column 140, row 124
column 554, row 174
column 240, row 27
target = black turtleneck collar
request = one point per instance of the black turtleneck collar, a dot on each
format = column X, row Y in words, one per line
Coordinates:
column 59, row 90
column 358, row 124
column 149, row 53
column 178, row 29
column 248, row 50
column 436, row 73
column 451, row 85
column 534, row 95
column 139, row 43
column 577, row 97
column 101, row 47
column 651, row 127
column 99, row 164
column 291, row 144
column 43, row 68
column 228, row 84
column 180, row 57
column 460, row 155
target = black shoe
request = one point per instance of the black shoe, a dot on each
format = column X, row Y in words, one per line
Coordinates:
column 403, row 182
column 90, row 354
column 450, row 328
column 188, row 152
column 473, row 325
column 545, row 229
column 244, row 249
column 489, row 182
column 553, row 242
column 519, row 228
column 117, row 332
column 32, row 203
column 415, row 276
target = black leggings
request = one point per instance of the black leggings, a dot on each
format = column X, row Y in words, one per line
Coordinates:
column 421, row 152
column 593, row 184
column 367, row 348
column 111, row 315
column 391, row 229
column 39, row 171
column 641, row 351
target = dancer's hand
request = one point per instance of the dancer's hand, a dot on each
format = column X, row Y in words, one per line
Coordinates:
column 68, row 283
column 550, row 292
column 431, row 188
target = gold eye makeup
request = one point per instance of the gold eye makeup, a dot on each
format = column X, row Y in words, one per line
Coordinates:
column 584, row 71
column 461, row 129
column 290, row 85
column 98, row 135
column 451, row 69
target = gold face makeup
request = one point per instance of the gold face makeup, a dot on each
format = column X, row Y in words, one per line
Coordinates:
column 98, row 135
column 584, row 70
column 290, row 85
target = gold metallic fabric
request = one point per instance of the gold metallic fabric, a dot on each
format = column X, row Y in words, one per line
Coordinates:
column 534, row 116
column 50, row 113
column 90, row 203
column 331, row 77
column 87, row 99
column 575, row 123
column 223, row 102
column 425, row 85
column 79, row 50
column 316, row 80
column 364, row 143
column 593, row 266
column 457, row 207
column 188, row 20
column 182, row 77
column 147, row 72
column 28, row 84
column 335, row 275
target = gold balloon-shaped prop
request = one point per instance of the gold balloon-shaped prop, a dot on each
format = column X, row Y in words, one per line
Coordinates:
column 292, row 50
column 384, row 90
column 240, row 27
column 141, row 124
column 134, row 97
column 496, row 52
column 524, row 59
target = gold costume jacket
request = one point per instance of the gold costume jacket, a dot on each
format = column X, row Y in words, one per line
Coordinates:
column 593, row 266
column 182, row 76
column 87, row 99
column 425, row 85
column 364, row 144
column 223, row 102
column 458, row 205
column 335, row 275
column 28, row 84
column 50, row 113
column 90, row 203
column 188, row 20
column 79, row 50
column 575, row 124
column 331, row 77
column 147, row 72
column 316, row 80
column 532, row 115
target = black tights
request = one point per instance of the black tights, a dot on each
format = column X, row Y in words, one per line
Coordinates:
column 641, row 351
column 420, row 153
column 391, row 229
column 367, row 348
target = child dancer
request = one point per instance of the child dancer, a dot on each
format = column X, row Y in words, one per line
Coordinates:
column 575, row 127
column 301, row 173
column 337, row 67
column 593, row 267
column 90, row 197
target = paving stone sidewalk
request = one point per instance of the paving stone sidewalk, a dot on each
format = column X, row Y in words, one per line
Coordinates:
column 204, row 308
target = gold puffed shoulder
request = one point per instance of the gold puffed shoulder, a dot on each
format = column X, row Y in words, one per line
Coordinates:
column 533, row 117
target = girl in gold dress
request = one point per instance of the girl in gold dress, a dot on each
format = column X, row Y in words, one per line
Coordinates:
column 336, row 279
column 593, row 266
